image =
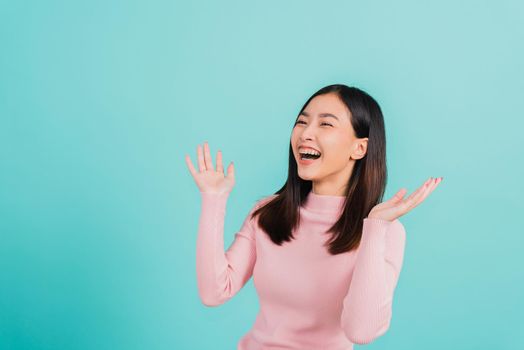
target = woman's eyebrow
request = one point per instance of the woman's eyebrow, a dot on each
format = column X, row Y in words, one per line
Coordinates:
column 321, row 115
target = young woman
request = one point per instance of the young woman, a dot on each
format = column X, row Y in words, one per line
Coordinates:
column 324, row 252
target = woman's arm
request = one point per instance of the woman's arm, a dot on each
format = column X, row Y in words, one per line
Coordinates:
column 367, row 308
column 221, row 275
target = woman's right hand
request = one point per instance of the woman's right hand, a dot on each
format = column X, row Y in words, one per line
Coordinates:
column 207, row 178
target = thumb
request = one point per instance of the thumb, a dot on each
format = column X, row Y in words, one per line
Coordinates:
column 231, row 171
column 399, row 195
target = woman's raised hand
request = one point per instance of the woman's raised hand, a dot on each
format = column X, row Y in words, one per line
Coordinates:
column 398, row 205
column 207, row 178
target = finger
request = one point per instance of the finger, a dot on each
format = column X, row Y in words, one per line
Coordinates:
column 420, row 196
column 220, row 167
column 192, row 169
column 429, row 186
column 417, row 192
column 410, row 201
column 207, row 157
column 201, row 164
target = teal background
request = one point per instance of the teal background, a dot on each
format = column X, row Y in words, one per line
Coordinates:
column 101, row 100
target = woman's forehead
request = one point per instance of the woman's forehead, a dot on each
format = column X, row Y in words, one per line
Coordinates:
column 327, row 104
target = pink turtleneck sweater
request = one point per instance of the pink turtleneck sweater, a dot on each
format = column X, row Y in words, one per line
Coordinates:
column 309, row 299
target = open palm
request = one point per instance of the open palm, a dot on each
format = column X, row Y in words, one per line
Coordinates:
column 397, row 206
column 207, row 178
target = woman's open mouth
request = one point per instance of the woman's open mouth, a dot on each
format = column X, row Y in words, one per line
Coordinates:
column 308, row 157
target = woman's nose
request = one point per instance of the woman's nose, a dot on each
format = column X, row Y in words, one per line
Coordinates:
column 307, row 133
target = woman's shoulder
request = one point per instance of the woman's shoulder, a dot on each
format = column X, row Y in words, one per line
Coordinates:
column 260, row 203
column 264, row 200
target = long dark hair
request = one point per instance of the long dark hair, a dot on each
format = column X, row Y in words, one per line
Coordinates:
column 365, row 188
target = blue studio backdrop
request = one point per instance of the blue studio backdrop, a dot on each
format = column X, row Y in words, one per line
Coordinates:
column 100, row 101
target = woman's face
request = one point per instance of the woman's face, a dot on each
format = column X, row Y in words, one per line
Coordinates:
column 325, row 126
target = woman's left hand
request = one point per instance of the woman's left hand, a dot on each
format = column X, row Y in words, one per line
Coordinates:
column 396, row 206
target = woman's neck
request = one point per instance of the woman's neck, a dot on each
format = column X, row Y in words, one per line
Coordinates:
column 324, row 203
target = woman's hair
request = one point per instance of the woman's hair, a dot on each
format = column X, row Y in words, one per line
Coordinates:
column 365, row 187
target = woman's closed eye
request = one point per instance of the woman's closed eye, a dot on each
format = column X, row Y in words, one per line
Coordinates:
column 302, row 122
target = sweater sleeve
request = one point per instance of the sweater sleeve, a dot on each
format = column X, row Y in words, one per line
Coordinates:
column 221, row 275
column 367, row 307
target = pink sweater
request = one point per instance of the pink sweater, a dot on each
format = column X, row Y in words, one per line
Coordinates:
column 309, row 299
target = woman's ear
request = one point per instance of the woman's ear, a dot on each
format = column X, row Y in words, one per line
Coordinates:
column 360, row 148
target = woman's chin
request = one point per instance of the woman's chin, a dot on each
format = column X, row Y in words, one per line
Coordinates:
column 306, row 174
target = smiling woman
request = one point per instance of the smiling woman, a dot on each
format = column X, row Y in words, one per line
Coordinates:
column 324, row 253
column 337, row 123
column 324, row 126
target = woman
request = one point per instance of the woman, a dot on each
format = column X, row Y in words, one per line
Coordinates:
column 324, row 252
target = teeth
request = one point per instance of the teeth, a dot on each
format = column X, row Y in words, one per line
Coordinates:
column 315, row 153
